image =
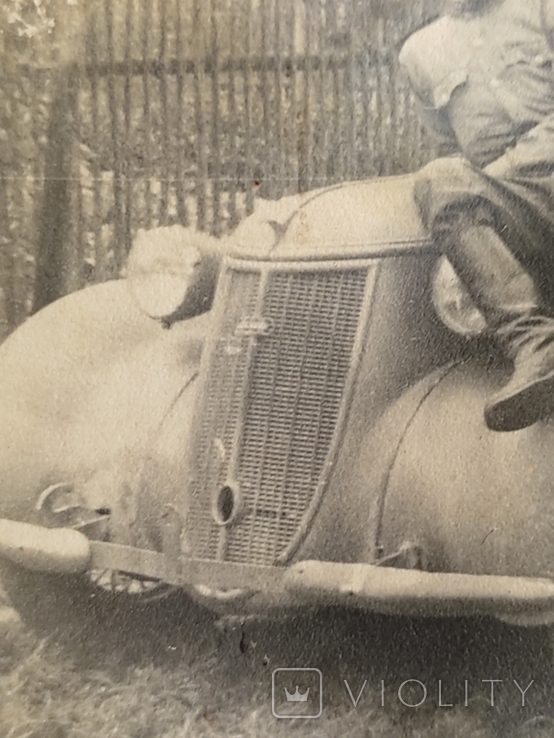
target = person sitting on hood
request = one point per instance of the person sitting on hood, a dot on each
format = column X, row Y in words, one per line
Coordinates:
column 483, row 76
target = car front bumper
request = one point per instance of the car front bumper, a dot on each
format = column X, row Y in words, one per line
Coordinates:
column 516, row 599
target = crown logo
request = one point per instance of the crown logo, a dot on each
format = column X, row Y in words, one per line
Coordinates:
column 297, row 697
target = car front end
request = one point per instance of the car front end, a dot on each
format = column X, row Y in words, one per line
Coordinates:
column 280, row 474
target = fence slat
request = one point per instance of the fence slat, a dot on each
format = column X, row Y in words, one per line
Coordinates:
column 55, row 217
column 232, row 126
column 201, row 162
column 216, row 143
column 269, row 167
column 119, row 235
column 180, row 166
column 95, row 214
column 366, row 166
column 291, row 136
column 305, row 135
column 146, row 143
column 127, row 164
column 280, row 185
column 165, row 173
column 6, row 254
column 247, row 117
column 76, row 255
column 350, row 139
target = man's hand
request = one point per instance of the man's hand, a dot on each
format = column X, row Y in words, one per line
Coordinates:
column 500, row 168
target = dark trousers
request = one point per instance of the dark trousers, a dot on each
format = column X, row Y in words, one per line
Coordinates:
column 452, row 194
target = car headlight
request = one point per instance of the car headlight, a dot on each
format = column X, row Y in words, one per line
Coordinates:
column 170, row 267
column 453, row 303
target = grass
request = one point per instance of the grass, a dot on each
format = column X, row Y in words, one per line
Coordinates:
column 173, row 671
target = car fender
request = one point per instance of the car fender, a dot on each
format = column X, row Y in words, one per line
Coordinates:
column 473, row 500
column 84, row 386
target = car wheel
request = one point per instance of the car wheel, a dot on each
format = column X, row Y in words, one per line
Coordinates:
column 71, row 607
column 53, row 604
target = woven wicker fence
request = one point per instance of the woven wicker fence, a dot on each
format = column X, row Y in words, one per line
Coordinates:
column 185, row 112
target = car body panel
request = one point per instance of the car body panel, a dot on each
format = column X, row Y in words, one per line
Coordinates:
column 350, row 220
column 84, row 385
column 475, row 500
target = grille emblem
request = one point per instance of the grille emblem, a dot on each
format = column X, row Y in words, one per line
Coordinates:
column 253, row 325
column 233, row 346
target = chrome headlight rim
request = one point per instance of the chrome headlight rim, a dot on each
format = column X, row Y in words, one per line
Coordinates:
column 453, row 303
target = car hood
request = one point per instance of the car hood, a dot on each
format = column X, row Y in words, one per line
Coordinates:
column 350, row 220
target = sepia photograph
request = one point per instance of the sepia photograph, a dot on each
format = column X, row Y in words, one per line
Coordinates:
column 277, row 368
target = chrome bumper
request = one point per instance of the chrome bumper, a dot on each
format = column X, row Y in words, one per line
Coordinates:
column 521, row 600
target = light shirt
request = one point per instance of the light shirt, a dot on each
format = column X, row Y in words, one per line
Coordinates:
column 486, row 82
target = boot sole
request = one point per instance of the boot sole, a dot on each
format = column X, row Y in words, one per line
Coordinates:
column 523, row 408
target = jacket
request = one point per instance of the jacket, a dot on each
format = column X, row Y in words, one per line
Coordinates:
column 486, row 82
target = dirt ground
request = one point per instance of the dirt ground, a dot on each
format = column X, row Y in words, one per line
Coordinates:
column 171, row 670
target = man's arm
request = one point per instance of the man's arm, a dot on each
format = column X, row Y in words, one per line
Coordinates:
column 433, row 74
column 436, row 120
column 533, row 153
column 532, row 156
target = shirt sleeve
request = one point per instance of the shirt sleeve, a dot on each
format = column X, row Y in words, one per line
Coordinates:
column 533, row 153
column 434, row 118
column 436, row 121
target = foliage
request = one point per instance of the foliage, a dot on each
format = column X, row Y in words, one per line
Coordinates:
column 17, row 14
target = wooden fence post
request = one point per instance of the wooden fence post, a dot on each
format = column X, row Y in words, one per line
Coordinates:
column 7, row 301
column 55, row 222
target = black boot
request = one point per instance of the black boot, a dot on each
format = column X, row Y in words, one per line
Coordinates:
column 529, row 395
column 507, row 297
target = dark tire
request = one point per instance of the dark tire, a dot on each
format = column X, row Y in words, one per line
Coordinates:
column 90, row 621
column 53, row 605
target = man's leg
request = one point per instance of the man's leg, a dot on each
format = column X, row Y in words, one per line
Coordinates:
column 507, row 297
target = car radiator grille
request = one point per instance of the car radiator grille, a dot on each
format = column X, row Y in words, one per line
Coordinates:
column 270, row 408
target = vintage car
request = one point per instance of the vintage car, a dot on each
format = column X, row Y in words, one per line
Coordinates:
column 313, row 436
